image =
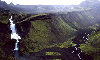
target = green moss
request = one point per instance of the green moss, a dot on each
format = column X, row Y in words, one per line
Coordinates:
column 92, row 27
column 4, row 18
column 62, row 29
column 56, row 59
column 76, row 24
column 97, row 57
column 64, row 26
column 12, row 58
column 43, row 35
column 31, row 17
column 92, row 46
column 88, row 49
column 66, row 44
column 40, row 37
column 52, row 53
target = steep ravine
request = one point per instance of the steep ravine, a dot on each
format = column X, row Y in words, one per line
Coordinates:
column 56, row 32
column 6, row 44
column 59, row 33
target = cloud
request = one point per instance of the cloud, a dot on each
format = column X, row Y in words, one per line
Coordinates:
column 45, row 2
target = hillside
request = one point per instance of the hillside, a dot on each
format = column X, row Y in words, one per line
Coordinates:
column 57, row 31
column 53, row 34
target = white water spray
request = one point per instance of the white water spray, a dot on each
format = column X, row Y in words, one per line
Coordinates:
column 14, row 35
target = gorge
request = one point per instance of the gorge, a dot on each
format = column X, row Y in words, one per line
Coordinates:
column 68, row 35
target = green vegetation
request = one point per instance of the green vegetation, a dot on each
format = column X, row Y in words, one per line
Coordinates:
column 46, row 34
column 55, row 32
column 62, row 30
column 5, row 36
column 39, row 36
column 97, row 57
column 56, row 59
column 92, row 46
column 31, row 17
column 66, row 44
column 52, row 53
column 4, row 18
column 81, row 19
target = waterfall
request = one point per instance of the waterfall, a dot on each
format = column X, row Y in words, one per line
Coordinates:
column 14, row 34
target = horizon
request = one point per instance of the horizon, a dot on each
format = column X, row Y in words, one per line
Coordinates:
column 44, row 2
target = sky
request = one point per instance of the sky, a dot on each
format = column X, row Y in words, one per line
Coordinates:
column 45, row 2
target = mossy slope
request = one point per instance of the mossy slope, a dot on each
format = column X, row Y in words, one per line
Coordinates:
column 92, row 46
column 45, row 34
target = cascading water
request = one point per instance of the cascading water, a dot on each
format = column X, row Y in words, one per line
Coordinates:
column 14, row 35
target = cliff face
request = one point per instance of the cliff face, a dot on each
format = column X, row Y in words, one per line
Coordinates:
column 6, row 44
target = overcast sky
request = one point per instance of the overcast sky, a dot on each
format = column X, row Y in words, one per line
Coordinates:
column 45, row 2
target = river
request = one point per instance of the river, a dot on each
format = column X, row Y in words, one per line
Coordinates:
column 67, row 53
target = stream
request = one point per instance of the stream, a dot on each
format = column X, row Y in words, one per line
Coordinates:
column 81, row 38
column 71, row 53
column 67, row 53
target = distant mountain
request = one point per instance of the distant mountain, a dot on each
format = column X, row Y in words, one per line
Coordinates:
column 90, row 3
column 42, row 8
column 49, row 8
column 37, row 9
column 4, row 6
column 11, row 4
